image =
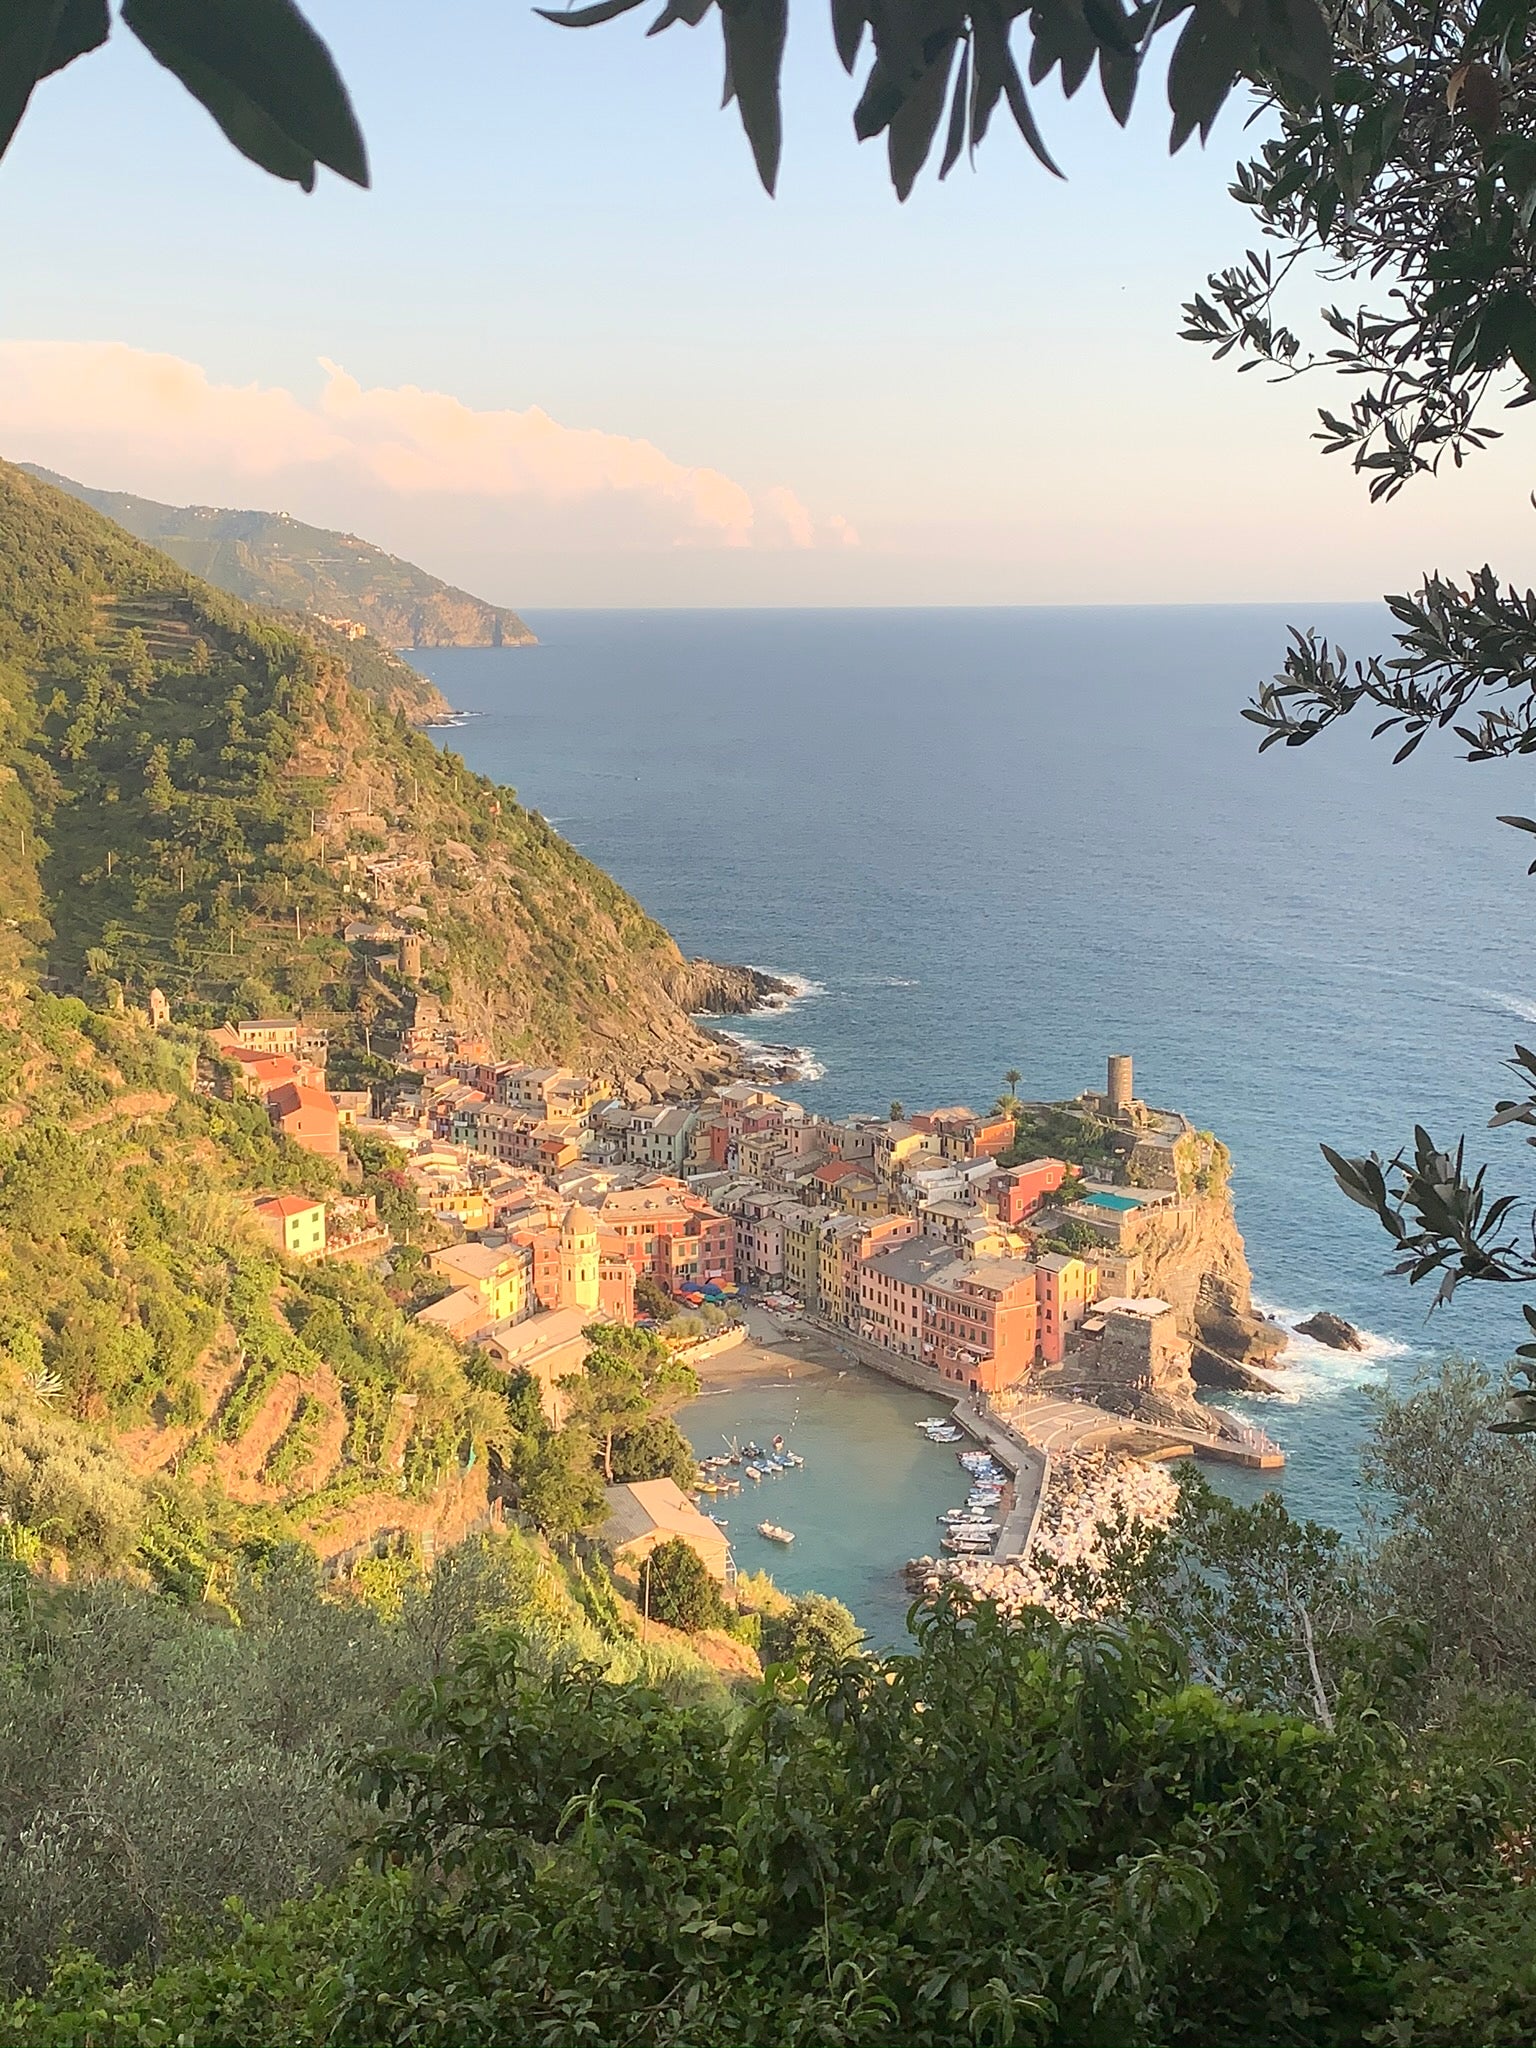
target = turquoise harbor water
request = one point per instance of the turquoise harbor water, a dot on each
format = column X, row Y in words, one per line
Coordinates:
column 1025, row 839
column 867, row 1498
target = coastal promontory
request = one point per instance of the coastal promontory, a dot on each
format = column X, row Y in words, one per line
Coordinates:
column 282, row 565
column 204, row 799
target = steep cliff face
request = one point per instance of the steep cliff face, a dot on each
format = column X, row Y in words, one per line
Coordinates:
column 1193, row 1256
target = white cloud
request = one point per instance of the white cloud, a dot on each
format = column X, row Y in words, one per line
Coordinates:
column 391, row 463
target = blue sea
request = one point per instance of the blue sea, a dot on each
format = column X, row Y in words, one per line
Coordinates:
column 1029, row 838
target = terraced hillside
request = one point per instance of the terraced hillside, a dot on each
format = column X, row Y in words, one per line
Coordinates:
column 167, row 1390
column 196, row 796
column 282, row 565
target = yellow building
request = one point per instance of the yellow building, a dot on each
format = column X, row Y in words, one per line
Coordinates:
column 651, row 1512
column 269, row 1034
column 500, row 1274
column 802, row 1254
column 579, row 1269
column 896, row 1145
column 295, row 1224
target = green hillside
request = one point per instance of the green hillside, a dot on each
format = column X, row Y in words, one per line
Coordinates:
column 195, row 796
column 276, row 562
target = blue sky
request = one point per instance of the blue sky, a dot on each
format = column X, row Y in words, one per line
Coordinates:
column 984, row 386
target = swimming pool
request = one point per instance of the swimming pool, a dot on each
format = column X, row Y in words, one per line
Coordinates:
column 1098, row 1201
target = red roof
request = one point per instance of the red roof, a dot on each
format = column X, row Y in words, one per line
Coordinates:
column 296, row 1098
column 265, row 1066
column 286, row 1205
column 839, row 1169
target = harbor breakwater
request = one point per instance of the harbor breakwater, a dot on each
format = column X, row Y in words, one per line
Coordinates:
column 1085, row 1491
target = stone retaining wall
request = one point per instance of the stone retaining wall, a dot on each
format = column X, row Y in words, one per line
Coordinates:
column 711, row 1347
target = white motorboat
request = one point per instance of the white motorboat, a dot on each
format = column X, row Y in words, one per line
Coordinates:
column 774, row 1533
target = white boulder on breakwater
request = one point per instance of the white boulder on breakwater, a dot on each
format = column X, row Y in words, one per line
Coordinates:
column 1087, row 1489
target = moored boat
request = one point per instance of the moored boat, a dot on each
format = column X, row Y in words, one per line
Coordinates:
column 774, row 1533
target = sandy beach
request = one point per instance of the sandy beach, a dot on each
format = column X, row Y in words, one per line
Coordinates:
column 776, row 1350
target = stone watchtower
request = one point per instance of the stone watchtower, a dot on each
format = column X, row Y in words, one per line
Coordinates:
column 578, row 1259
column 1118, row 1094
column 410, row 956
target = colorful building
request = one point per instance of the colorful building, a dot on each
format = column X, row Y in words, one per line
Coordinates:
column 981, row 1324
column 655, row 1511
column 1017, row 1191
column 891, row 1284
column 501, row 1274
column 1066, row 1289
column 295, row 1223
column 666, row 1231
column 269, row 1034
column 308, row 1116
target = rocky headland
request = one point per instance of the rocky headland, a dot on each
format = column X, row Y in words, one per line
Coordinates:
column 1195, row 1259
column 710, row 988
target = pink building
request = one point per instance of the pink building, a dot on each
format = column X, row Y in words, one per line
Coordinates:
column 1017, row 1191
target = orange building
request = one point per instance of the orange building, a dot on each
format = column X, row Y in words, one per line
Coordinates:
column 964, row 1135
column 308, row 1116
column 891, row 1284
column 665, row 1230
column 577, row 1264
column 981, row 1323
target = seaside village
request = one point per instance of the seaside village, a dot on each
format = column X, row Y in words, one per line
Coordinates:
column 905, row 1235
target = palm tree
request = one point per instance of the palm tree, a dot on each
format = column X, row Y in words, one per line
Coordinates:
column 1011, row 1082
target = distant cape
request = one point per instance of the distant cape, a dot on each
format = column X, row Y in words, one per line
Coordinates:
column 268, row 559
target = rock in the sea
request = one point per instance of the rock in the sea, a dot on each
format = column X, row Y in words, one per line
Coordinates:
column 1212, row 1368
column 1331, row 1330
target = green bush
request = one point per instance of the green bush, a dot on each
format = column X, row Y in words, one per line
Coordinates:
column 296, row 1446
column 1018, row 1834
column 815, row 1626
column 654, row 1449
column 676, row 1587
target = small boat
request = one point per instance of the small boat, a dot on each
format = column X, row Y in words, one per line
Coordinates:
column 774, row 1533
column 932, row 1422
column 966, row 1546
column 793, row 1458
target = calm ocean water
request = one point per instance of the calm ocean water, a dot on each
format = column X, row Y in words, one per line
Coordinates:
column 867, row 1498
column 1027, row 838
